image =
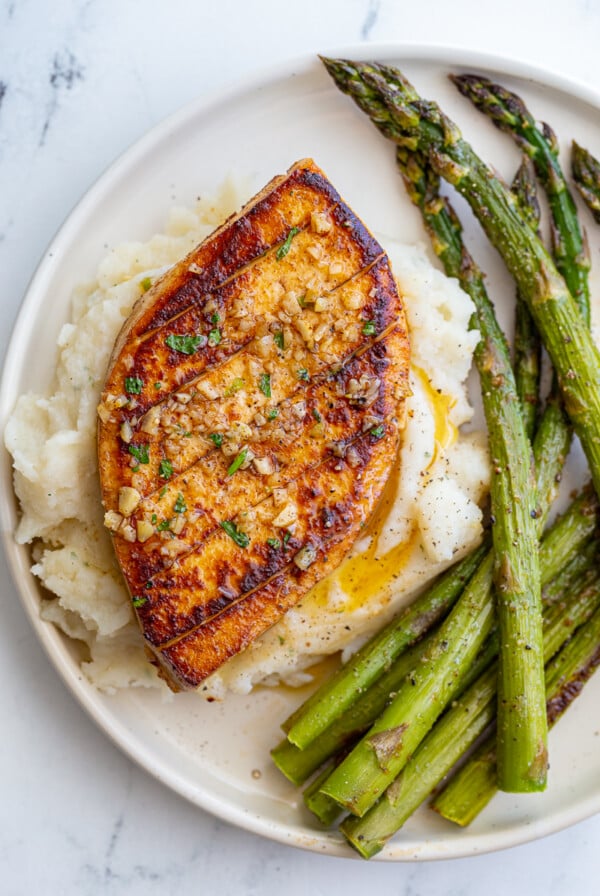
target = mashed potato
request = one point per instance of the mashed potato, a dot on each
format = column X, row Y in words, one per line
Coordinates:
column 429, row 517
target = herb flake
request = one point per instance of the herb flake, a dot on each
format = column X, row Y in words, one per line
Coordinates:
column 165, row 469
column 264, row 384
column 278, row 339
column 240, row 538
column 138, row 600
column 186, row 343
column 180, row 506
column 378, row 432
column 237, row 463
column 274, row 543
column 303, row 374
column 235, row 386
column 133, row 385
column 216, row 438
column 285, row 247
column 146, row 283
column 140, row 452
column 214, row 338
column 369, row 328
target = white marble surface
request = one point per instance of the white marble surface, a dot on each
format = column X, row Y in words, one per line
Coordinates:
column 79, row 81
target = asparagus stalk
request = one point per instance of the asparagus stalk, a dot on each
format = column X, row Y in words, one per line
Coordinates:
column 581, row 562
column 510, row 114
column 522, row 716
column 324, row 808
column 336, row 696
column 460, row 726
column 586, row 173
column 475, row 784
column 417, row 124
column 527, row 344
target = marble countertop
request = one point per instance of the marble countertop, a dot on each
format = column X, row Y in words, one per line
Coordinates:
column 80, row 80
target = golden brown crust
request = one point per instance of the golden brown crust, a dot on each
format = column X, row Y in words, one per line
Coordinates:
column 282, row 358
column 333, row 529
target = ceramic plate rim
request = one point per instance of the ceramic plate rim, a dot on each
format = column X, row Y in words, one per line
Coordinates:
column 53, row 642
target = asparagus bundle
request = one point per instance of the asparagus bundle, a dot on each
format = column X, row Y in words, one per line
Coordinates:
column 444, row 230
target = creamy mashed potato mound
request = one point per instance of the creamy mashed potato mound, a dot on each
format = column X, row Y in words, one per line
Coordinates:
column 428, row 518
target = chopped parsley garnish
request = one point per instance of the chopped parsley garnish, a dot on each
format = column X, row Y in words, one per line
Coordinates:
column 186, row 343
column 154, row 519
column 215, row 318
column 140, row 452
column 158, row 386
column 274, row 543
column 303, row 374
column 216, row 438
column 162, row 527
column 264, row 384
column 214, row 337
column 302, row 302
column 286, row 538
column 180, row 506
column 146, row 283
column 240, row 538
column 378, row 432
column 274, row 412
column 133, row 385
column 236, row 384
column 369, row 328
column 162, row 492
column 285, row 247
column 138, row 600
column 165, row 469
column 278, row 339
column 237, row 463
column 316, row 415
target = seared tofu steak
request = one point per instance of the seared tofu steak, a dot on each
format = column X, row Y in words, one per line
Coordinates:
column 250, row 418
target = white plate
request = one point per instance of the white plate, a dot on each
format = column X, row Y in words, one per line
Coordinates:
column 217, row 755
